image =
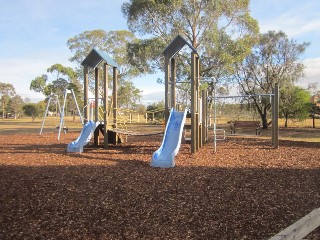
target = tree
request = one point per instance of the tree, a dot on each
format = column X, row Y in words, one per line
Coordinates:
column 39, row 84
column 5, row 100
column 115, row 44
column 274, row 60
column 157, row 108
column 15, row 105
column 62, row 78
column 6, row 90
column 295, row 104
column 223, row 32
column 128, row 95
column 34, row 110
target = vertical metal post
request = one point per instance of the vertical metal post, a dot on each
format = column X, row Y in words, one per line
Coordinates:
column 75, row 100
column 45, row 114
column 62, row 113
column 85, row 93
column 105, row 105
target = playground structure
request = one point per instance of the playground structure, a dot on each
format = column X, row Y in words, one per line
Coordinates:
column 199, row 100
column 199, row 113
column 107, row 126
column 198, row 123
column 94, row 58
column 55, row 98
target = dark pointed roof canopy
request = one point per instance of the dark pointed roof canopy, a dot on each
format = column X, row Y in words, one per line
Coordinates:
column 95, row 57
column 176, row 45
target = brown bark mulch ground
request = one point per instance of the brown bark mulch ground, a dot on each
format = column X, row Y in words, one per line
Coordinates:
column 247, row 190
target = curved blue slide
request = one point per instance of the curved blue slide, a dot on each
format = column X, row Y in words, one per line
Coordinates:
column 164, row 156
column 84, row 137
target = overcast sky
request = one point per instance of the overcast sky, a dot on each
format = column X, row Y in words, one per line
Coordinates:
column 33, row 35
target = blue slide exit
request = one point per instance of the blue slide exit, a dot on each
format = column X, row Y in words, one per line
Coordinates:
column 164, row 156
column 84, row 137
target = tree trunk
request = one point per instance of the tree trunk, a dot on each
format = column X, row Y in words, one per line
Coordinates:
column 286, row 122
column 264, row 121
column 2, row 110
column 313, row 121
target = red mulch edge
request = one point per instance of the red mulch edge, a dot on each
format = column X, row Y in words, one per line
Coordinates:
column 247, row 190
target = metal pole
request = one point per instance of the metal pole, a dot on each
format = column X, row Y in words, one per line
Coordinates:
column 62, row 113
column 74, row 97
column 45, row 115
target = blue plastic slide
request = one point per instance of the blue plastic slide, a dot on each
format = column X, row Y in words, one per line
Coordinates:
column 164, row 156
column 84, row 137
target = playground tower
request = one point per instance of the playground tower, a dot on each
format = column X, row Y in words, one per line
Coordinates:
column 93, row 60
column 197, row 135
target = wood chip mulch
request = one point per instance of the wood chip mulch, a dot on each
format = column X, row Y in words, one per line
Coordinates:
column 247, row 190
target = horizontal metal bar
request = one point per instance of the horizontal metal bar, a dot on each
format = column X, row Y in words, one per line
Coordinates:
column 178, row 82
column 243, row 96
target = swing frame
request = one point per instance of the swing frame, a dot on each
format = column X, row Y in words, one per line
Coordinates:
column 61, row 111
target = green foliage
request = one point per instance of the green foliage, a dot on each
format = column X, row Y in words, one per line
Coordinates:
column 128, row 95
column 145, row 54
column 157, row 108
column 39, row 84
column 63, row 78
column 6, row 90
column 15, row 105
column 34, row 110
column 59, row 70
column 141, row 109
column 223, row 32
column 114, row 43
column 275, row 60
column 295, row 104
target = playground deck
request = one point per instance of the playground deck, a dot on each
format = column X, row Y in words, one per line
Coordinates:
column 247, row 190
